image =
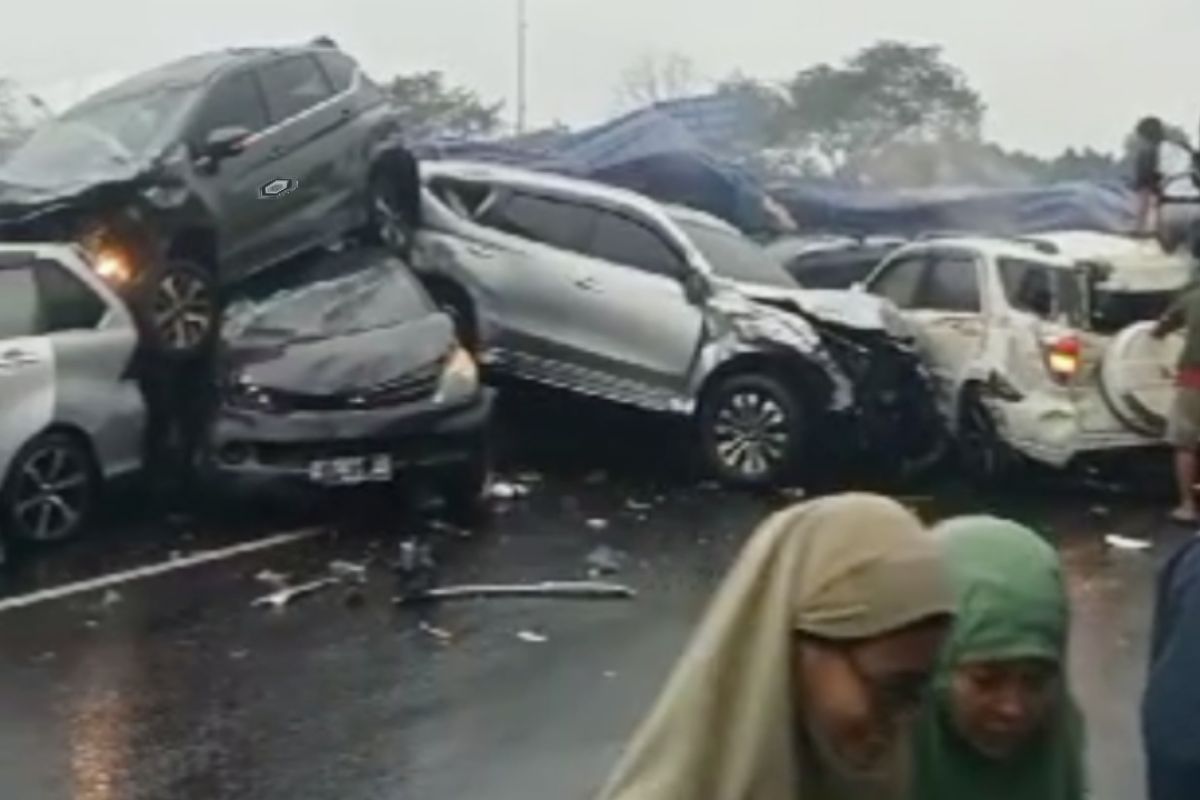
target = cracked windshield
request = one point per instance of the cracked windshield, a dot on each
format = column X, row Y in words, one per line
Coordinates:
column 563, row 400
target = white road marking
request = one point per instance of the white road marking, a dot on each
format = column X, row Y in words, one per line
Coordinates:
column 153, row 570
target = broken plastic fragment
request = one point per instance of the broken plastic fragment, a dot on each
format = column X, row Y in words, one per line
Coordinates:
column 532, row 637
column 283, row 597
column 1126, row 543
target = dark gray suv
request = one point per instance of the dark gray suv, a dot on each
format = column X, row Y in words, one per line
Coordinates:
column 189, row 177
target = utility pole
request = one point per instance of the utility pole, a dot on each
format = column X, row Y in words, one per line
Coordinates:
column 521, row 29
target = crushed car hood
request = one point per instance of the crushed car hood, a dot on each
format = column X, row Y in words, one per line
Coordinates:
column 22, row 201
column 334, row 365
column 852, row 309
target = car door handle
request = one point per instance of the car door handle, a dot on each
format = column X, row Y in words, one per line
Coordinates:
column 588, row 284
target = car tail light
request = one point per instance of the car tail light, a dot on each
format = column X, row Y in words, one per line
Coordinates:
column 1064, row 357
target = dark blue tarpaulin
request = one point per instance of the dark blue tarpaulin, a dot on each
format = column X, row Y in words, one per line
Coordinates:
column 1106, row 207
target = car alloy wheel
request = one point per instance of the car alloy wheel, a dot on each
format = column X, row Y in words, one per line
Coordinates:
column 183, row 309
column 51, row 489
column 393, row 229
column 751, row 425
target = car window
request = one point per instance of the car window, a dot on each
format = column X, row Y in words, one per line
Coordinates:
column 66, row 302
column 951, row 284
column 736, row 257
column 900, row 280
column 339, row 69
column 292, row 85
column 623, row 241
column 540, row 219
column 235, row 102
column 1046, row 291
column 18, row 303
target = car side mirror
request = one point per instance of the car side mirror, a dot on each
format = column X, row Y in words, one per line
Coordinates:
column 696, row 287
column 225, row 142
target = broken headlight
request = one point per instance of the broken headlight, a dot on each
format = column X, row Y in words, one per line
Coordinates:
column 777, row 328
column 460, row 377
column 109, row 259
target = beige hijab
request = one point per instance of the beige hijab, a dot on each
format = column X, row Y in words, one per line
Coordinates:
column 843, row 567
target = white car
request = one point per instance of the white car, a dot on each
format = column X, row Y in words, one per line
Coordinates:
column 72, row 413
column 1007, row 328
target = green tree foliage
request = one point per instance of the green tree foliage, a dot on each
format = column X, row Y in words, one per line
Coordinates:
column 429, row 107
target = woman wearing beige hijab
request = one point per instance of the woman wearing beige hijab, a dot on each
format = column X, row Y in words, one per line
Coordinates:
column 802, row 676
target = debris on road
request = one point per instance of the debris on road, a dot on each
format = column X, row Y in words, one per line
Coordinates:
column 582, row 590
column 506, row 490
column 441, row 634
column 348, row 571
column 638, row 505
column 532, row 637
column 604, row 560
column 441, row 526
column 415, row 556
column 1126, row 543
column 111, row 598
column 283, row 597
column 276, row 580
column 598, row 524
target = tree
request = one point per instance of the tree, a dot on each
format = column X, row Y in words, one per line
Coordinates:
column 429, row 108
column 887, row 93
column 655, row 77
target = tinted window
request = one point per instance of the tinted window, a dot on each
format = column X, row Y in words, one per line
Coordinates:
column 624, row 241
column 67, row 303
column 900, row 281
column 292, row 85
column 735, row 257
column 339, row 68
column 235, row 102
column 541, row 219
column 18, row 303
column 1039, row 289
column 952, row 284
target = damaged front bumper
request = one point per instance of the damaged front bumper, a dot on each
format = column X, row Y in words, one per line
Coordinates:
column 247, row 449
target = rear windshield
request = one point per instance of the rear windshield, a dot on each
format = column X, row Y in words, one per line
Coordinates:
column 1114, row 311
column 1050, row 292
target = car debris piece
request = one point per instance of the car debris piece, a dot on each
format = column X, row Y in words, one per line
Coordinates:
column 348, row 571
column 1126, row 543
column 582, row 590
column 604, row 560
column 441, row 634
column 532, row 637
column 283, row 597
column 504, row 490
column 597, row 524
column 276, row 580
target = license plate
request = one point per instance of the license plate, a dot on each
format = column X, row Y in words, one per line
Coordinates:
column 351, row 471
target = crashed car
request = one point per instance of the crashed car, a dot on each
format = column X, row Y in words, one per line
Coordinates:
column 1026, row 366
column 73, row 416
column 831, row 262
column 605, row 292
column 194, row 175
column 347, row 375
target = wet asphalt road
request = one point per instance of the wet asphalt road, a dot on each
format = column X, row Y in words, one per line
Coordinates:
column 177, row 687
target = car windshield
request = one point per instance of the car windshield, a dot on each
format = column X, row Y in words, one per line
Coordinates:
column 332, row 300
column 735, row 257
column 95, row 137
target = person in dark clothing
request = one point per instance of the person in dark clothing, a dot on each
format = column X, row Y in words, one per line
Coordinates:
column 1147, row 175
column 1171, row 703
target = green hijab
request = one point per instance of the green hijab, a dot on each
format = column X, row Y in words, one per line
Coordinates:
column 1011, row 604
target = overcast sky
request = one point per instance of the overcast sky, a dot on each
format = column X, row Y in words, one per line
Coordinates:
column 1053, row 72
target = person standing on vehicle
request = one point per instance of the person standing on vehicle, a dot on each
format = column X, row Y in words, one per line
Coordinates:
column 1149, row 136
column 1183, row 422
column 805, row 673
column 1171, row 702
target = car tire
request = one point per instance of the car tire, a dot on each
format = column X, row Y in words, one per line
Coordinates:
column 984, row 456
column 751, row 428
column 465, row 489
column 51, row 489
column 180, row 309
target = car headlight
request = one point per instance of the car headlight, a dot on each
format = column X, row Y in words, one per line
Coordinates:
column 244, row 393
column 111, row 262
column 460, row 377
column 778, row 328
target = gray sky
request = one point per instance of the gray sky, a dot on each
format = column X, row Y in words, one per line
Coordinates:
column 1053, row 72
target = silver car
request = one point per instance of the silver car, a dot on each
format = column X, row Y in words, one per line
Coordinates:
column 605, row 292
column 73, row 414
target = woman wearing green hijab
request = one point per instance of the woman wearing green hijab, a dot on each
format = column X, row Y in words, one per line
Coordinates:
column 1001, row 723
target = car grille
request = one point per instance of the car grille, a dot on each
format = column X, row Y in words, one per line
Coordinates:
column 412, row 388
